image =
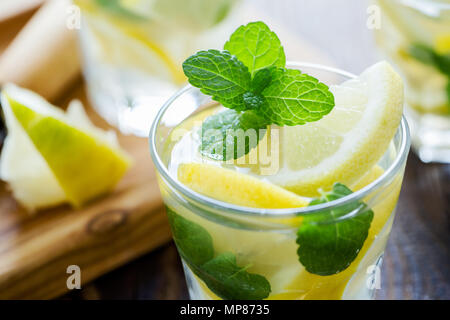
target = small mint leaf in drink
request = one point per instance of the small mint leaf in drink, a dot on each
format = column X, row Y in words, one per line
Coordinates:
column 221, row 273
column 295, row 98
column 194, row 243
column 231, row 282
column 329, row 241
column 257, row 47
column 219, row 75
column 261, row 80
column 231, row 134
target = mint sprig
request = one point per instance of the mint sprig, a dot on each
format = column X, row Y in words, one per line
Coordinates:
column 221, row 274
column 329, row 241
column 249, row 75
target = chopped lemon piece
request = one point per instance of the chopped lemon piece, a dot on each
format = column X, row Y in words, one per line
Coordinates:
column 51, row 157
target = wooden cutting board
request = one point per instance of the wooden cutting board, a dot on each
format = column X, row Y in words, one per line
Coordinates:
column 35, row 250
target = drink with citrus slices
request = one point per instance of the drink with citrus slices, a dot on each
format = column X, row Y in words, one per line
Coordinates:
column 280, row 180
column 415, row 35
column 133, row 50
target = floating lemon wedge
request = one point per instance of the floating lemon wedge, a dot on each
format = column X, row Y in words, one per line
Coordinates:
column 51, row 157
column 236, row 188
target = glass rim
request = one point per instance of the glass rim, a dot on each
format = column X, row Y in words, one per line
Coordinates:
column 389, row 173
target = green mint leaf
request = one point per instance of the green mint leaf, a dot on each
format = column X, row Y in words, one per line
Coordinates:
column 221, row 274
column 257, row 47
column 219, row 75
column 194, row 243
column 327, row 246
column 231, row 134
column 231, row 282
column 295, row 98
column 261, row 80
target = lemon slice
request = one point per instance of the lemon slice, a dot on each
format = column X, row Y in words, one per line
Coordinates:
column 51, row 157
column 236, row 188
column 348, row 142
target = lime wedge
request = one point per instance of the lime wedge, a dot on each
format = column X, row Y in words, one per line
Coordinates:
column 51, row 157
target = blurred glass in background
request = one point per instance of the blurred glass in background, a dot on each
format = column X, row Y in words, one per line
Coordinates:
column 415, row 35
column 133, row 50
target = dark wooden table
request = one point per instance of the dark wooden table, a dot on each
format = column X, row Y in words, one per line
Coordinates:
column 416, row 261
column 417, row 258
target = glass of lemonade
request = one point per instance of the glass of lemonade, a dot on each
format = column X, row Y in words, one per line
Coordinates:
column 231, row 251
column 133, row 49
column 415, row 35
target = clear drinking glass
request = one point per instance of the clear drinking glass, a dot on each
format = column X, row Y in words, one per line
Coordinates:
column 263, row 241
column 133, row 51
column 415, row 36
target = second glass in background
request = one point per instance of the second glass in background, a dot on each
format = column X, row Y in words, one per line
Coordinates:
column 133, row 51
column 415, row 35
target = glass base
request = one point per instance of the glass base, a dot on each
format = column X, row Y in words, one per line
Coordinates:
column 430, row 136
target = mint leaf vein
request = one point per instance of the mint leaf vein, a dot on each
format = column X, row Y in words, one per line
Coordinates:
column 295, row 98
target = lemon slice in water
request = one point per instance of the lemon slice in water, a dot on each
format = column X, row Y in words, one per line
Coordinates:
column 346, row 143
